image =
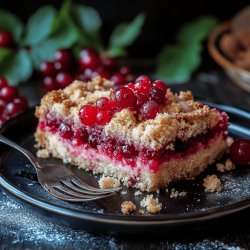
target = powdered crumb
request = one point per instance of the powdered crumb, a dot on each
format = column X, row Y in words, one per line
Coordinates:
column 43, row 153
column 212, row 183
column 227, row 166
column 151, row 204
column 128, row 207
column 157, row 191
column 174, row 193
column 138, row 193
column 108, row 182
column 123, row 192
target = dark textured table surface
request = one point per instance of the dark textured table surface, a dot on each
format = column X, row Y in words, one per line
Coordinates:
column 21, row 228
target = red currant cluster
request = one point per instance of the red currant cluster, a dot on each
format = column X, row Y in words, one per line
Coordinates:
column 6, row 39
column 142, row 97
column 57, row 72
column 92, row 64
column 10, row 101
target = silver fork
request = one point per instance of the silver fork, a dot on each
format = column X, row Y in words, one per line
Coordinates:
column 59, row 181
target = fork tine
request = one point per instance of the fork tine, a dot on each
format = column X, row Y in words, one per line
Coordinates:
column 68, row 191
column 83, row 185
column 64, row 197
column 70, row 185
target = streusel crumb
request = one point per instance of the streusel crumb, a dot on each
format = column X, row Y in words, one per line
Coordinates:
column 128, row 207
column 151, row 204
column 141, row 212
column 108, row 182
column 43, row 153
column 227, row 166
column 212, row 183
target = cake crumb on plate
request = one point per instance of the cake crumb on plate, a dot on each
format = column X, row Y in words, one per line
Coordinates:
column 137, row 193
column 227, row 166
column 212, row 183
column 108, row 182
column 128, row 207
column 43, row 153
column 174, row 193
column 151, row 204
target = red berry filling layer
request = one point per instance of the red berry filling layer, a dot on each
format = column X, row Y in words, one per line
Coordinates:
column 117, row 150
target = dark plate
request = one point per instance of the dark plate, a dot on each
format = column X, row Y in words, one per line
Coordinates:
column 18, row 177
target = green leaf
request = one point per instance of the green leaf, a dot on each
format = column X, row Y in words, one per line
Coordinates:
column 45, row 51
column 197, row 30
column 177, row 62
column 64, row 35
column 11, row 23
column 87, row 18
column 88, row 24
column 124, row 35
column 39, row 25
column 17, row 67
column 4, row 54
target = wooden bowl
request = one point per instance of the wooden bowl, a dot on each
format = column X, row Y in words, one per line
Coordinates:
column 239, row 76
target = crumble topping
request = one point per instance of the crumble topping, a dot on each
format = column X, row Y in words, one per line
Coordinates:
column 212, row 183
column 108, row 182
column 227, row 166
column 128, row 207
column 173, row 121
column 151, row 204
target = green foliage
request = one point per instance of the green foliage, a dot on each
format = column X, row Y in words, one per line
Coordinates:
column 124, row 35
column 176, row 63
column 74, row 26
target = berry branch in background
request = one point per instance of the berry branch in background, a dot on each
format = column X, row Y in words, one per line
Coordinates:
column 74, row 27
column 177, row 62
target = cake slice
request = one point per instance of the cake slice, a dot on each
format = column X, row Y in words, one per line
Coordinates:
column 142, row 134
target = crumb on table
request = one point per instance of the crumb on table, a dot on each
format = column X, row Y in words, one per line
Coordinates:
column 43, row 153
column 108, row 182
column 128, row 207
column 212, row 183
column 227, row 166
column 151, row 204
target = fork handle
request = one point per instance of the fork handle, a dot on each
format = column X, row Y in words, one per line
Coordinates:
column 27, row 153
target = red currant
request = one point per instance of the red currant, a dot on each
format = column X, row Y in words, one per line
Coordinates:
column 125, row 97
column 89, row 59
column 143, row 85
column 157, row 95
column 2, row 119
column 47, row 68
column 50, row 83
column 161, row 85
column 8, row 93
column 102, row 117
column 240, row 151
column 82, row 135
column 62, row 56
column 64, row 79
column 125, row 70
column 61, row 66
column 149, row 110
column 3, row 82
column 88, row 114
column 130, row 86
column 93, row 141
column 141, row 99
column 2, row 106
column 118, row 79
column 109, row 64
column 129, row 151
column 65, row 131
column 21, row 102
column 6, row 39
column 103, row 104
